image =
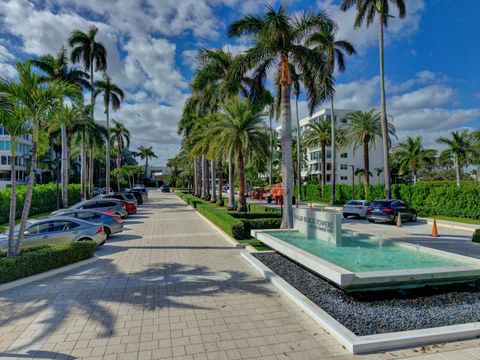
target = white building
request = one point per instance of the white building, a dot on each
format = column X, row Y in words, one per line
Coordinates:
column 345, row 158
column 23, row 151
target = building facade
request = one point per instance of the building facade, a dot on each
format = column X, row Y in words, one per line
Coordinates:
column 23, row 152
column 347, row 158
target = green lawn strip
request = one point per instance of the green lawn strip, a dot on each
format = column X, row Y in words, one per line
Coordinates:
column 258, row 245
column 43, row 258
column 455, row 219
column 4, row 226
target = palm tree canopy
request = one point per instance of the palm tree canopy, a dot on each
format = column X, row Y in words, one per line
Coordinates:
column 411, row 154
column 364, row 126
column 86, row 49
column 366, row 10
column 277, row 39
column 112, row 93
column 458, row 146
column 119, row 131
column 145, row 152
column 318, row 134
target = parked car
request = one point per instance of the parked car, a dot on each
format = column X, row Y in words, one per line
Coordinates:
column 112, row 224
column 225, row 189
column 108, row 206
column 138, row 195
column 356, row 208
column 143, row 190
column 58, row 230
column 165, row 188
column 129, row 200
column 389, row 210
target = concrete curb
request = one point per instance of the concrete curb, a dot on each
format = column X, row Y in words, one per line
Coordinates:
column 450, row 226
column 369, row 343
column 46, row 274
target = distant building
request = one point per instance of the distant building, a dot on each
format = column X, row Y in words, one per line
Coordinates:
column 345, row 158
column 23, row 152
column 158, row 173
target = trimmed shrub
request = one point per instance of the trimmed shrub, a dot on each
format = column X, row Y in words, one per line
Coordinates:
column 37, row 260
column 44, row 198
column 268, row 223
column 223, row 220
column 258, row 209
column 476, row 236
column 267, row 215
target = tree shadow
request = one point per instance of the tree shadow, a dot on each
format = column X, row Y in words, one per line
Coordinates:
column 37, row 354
column 94, row 289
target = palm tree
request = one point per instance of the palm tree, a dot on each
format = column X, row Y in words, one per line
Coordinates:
column 362, row 129
column 366, row 11
column 13, row 118
column 145, row 153
column 112, row 94
column 96, row 136
column 239, row 131
column 459, row 145
column 333, row 51
column 319, row 134
column 120, row 137
column 57, row 69
column 277, row 43
column 39, row 101
column 411, row 155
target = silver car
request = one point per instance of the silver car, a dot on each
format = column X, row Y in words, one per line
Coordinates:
column 108, row 206
column 112, row 224
column 357, row 208
column 119, row 196
column 58, row 230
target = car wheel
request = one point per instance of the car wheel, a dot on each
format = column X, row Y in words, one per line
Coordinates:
column 85, row 239
column 414, row 218
column 108, row 232
column 345, row 216
column 371, row 220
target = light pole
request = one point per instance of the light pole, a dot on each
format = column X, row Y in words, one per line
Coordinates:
column 353, row 181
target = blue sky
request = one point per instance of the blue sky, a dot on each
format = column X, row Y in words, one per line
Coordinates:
column 432, row 57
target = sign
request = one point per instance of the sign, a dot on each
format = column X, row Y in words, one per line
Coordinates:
column 322, row 225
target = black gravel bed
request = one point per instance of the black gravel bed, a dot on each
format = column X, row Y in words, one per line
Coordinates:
column 377, row 312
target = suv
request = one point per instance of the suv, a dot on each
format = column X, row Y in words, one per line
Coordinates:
column 108, row 206
column 355, row 208
column 389, row 210
column 129, row 200
column 165, row 188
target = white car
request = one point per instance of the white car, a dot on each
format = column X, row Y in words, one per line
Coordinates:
column 356, row 208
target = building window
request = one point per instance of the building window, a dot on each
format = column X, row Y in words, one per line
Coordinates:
column 344, row 155
column 343, row 167
column 343, row 177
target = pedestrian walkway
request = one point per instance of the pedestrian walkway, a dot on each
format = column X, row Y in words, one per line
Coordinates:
column 170, row 287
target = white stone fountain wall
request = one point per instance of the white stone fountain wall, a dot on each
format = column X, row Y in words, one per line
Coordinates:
column 324, row 225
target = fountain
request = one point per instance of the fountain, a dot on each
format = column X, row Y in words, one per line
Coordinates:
column 362, row 262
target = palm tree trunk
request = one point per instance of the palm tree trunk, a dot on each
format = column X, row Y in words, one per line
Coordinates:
column 204, row 177
column 299, row 176
column 208, row 182
column 83, row 169
column 241, row 179
column 220, row 184
column 13, row 201
column 28, row 194
column 333, row 153
column 107, row 152
column 231, row 185
column 90, row 171
column 270, row 165
column 383, row 106
column 457, row 172
column 195, row 176
column 366, row 167
column 214, row 188
column 146, row 168
column 414, row 177
column 64, row 165
column 324, row 167
column 286, row 141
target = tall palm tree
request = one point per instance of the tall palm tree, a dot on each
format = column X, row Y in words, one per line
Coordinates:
column 362, row 129
column 96, row 135
column 39, row 101
column 14, row 119
column 112, row 95
column 333, row 51
column 319, row 134
column 239, row 131
column 56, row 68
column 366, row 11
column 277, row 42
column 145, row 153
column 411, row 156
column 120, row 138
column 459, row 145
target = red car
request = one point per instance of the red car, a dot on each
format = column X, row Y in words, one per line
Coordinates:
column 130, row 207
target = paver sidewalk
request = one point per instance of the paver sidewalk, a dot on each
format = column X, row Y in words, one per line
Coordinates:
column 170, row 287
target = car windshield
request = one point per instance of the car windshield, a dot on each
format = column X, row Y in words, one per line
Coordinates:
column 380, row 204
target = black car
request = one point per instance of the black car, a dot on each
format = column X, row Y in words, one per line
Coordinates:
column 389, row 210
column 165, row 188
column 138, row 195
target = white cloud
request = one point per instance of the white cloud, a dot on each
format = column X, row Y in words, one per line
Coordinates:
column 429, row 96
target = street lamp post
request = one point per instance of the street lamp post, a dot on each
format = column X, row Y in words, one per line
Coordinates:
column 353, row 181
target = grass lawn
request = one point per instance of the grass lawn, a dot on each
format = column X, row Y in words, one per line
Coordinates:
column 456, row 219
column 4, row 226
column 255, row 243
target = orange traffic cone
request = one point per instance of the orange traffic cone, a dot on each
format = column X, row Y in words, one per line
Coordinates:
column 399, row 220
column 434, row 228
column 311, row 206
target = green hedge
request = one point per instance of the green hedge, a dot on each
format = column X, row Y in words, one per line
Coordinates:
column 37, row 260
column 248, row 215
column 427, row 199
column 258, row 209
column 221, row 218
column 268, row 223
column 44, row 198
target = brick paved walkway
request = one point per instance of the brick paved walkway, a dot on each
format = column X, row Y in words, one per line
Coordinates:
column 170, row 287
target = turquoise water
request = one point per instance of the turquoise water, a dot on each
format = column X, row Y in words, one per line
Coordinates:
column 358, row 254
